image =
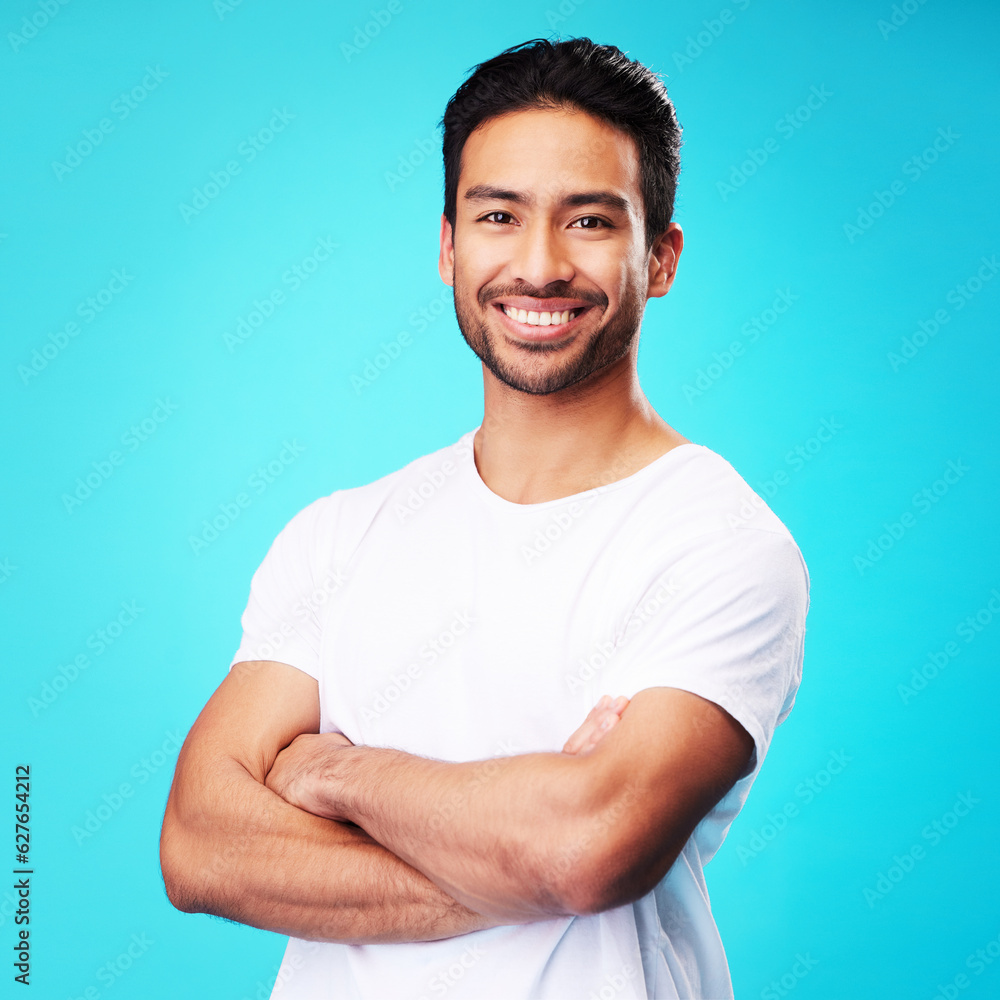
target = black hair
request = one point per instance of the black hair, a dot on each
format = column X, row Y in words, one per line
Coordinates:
column 577, row 73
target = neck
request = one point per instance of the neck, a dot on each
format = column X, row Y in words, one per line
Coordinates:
column 531, row 449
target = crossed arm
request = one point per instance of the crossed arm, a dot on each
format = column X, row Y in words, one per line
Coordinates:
column 258, row 823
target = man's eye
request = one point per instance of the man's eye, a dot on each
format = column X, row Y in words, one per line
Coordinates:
column 590, row 222
column 499, row 218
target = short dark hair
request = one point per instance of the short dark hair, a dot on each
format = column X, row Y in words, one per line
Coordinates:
column 598, row 79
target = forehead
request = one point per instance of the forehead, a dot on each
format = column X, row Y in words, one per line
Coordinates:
column 549, row 153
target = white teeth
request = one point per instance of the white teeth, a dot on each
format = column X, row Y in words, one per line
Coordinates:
column 540, row 318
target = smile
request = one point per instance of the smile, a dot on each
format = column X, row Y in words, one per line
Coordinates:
column 557, row 323
column 532, row 318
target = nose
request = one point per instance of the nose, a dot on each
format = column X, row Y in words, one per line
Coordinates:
column 541, row 256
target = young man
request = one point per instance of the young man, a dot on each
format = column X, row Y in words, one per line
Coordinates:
column 385, row 774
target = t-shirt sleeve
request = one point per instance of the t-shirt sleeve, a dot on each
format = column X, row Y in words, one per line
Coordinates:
column 725, row 621
column 281, row 620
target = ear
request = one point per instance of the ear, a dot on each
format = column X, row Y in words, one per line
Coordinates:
column 446, row 258
column 663, row 258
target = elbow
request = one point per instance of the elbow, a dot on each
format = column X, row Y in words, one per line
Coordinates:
column 177, row 888
column 175, row 883
column 180, row 888
column 573, row 869
column 178, row 894
column 606, row 853
column 179, row 870
column 587, row 888
column 610, row 869
column 599, row 883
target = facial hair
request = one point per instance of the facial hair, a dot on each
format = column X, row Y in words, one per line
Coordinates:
column 610, row 342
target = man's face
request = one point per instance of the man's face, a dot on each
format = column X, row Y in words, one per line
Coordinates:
column 548, row 257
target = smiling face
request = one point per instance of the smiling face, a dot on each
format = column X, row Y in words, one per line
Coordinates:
column 548, row 257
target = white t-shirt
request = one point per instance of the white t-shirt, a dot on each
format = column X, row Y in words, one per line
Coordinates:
column 443, row 620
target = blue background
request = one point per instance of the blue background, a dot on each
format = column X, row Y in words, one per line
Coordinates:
column 894, row 574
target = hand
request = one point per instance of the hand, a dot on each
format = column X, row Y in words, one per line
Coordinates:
column 297, row 772
column 602, row 719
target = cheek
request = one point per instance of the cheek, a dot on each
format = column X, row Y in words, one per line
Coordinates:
column 634, row 272
column 473, row 273
column 612, row 269
column 483, row 258
column 612, row 277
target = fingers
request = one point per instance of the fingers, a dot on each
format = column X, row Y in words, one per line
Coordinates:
column 602, row 718
column 583, row 735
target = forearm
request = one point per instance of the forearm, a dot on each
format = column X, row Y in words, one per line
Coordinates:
column 525, row 836
column 502, row 836
column 234, row 848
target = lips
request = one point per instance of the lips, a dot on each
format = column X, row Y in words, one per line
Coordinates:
column 566, row 313
column 541, row 317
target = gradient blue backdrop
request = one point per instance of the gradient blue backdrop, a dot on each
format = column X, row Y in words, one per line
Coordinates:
column 879, row 245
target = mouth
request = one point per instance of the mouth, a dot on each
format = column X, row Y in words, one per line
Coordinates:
column 538, row 323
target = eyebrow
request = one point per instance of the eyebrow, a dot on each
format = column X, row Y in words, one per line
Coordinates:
column 486, row 192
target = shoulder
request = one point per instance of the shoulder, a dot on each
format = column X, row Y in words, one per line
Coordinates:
column 696, row 505
column 335, row 524
column 705, row 489
column 430, row 471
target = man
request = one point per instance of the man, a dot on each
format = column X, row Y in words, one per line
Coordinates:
column 385, row 774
